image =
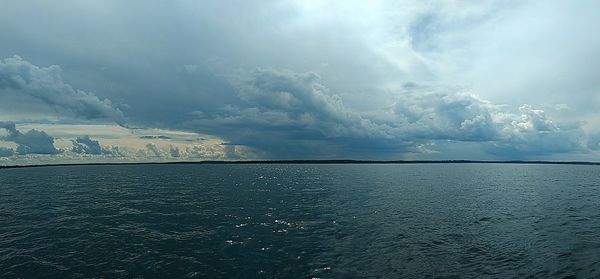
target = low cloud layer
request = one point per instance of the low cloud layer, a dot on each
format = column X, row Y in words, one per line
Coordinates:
column 86, row 145
column 283, row 114
column 30, row 142
column 111, row 143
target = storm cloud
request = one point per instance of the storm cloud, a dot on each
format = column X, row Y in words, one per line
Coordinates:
column 19, row 77
column 309, row 79
column 283, row 112
column 294, row 114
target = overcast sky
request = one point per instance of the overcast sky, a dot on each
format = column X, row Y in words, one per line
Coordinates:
column 196, row 80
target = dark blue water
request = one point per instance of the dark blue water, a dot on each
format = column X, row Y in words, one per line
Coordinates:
column 300, row 221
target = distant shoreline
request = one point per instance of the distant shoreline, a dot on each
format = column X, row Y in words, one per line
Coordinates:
column 316, row 162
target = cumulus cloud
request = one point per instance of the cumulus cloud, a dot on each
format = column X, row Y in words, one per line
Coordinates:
column 295, row 114
column 204, row 152
column 154, row 151
column 440, row 113
column 31, row 142
column 85, row 145
column 6, row 152
column 113, row 150
column 45, row 84
column 191, row 152
column 532, row 132
column 505, row 132
column 174, row 152
column 460, row 116
column 285, row 112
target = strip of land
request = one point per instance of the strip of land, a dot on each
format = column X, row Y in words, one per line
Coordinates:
column 307, row 162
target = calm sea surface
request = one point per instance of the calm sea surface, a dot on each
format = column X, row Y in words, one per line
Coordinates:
column 301, row 221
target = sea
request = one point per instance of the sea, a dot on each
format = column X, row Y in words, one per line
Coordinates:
column 301, row 221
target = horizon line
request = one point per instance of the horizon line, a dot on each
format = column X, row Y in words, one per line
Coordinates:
column 318, row 162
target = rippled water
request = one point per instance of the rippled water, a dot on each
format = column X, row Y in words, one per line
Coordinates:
column 300, row 221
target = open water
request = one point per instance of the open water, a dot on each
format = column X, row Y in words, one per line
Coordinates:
column 301, row 221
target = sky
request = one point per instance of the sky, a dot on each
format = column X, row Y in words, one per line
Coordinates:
column 137, row 81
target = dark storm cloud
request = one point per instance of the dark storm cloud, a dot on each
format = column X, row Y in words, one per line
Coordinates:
column 31, row 142
column 20, row 77
column 294, row 114
column 168, row 59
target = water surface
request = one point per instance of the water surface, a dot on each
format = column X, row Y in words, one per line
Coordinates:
column 301, row 221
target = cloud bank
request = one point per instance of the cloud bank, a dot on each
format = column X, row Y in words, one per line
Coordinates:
column 86, row 145
column 293, row 114
column 31, row 142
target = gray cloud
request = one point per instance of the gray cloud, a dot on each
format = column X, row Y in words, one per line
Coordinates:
column 114, row 151
column 85, row 145
column 291, row 114
column 594, row 142
column 204, row 152
column 532, row 132
column 174, row 151
column 294, row 114
column 31, row 142
column 20, row 77
column 155, row 137
column 186, row 67
column 6, row 152
column 154, row 151
column 430, row 113
column 506, row 133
